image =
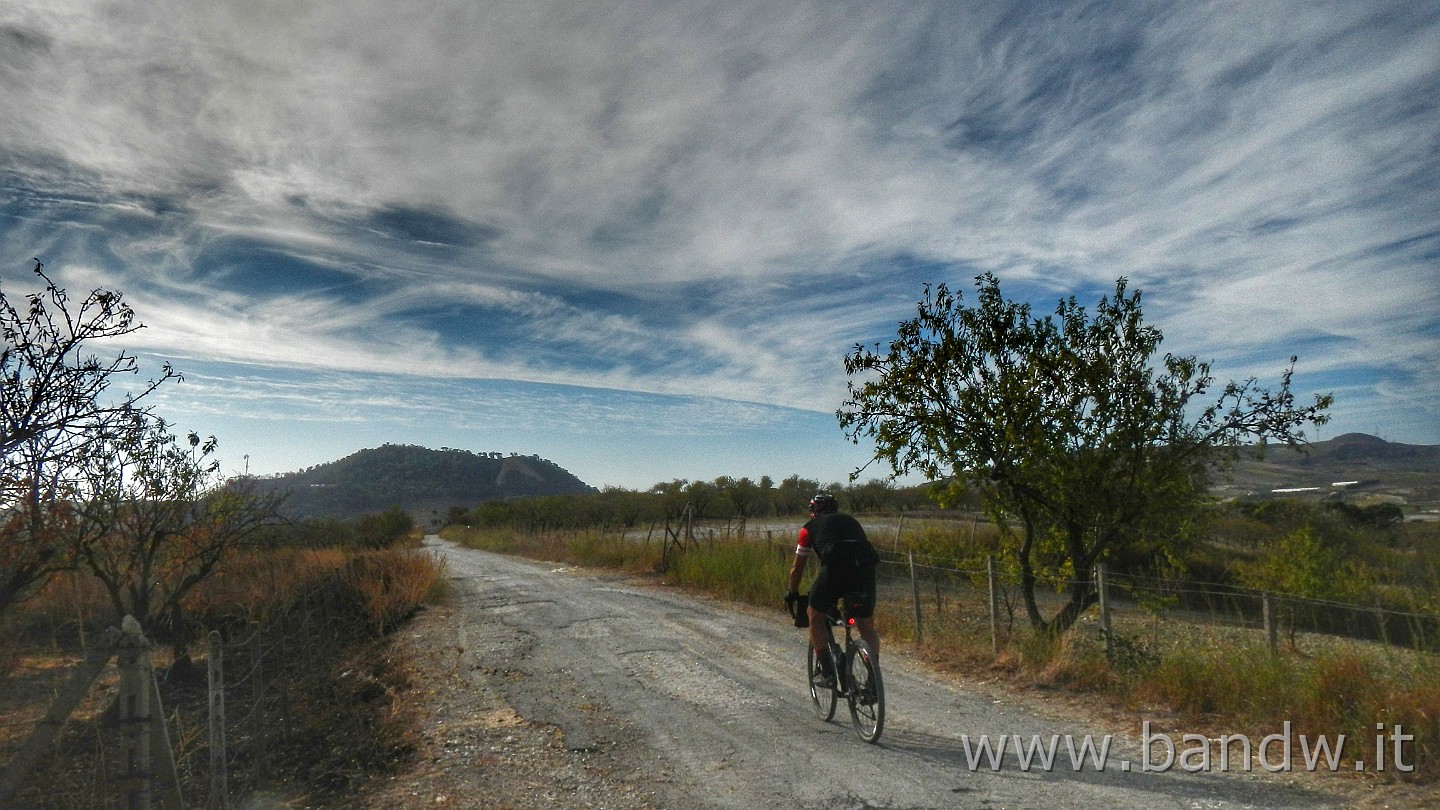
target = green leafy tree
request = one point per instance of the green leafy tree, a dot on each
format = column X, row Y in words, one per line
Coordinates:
column 1079, row 447
column 871, row 496
column 1303, row 564
column 792, row 496
column 383, row 529
column 745, row 497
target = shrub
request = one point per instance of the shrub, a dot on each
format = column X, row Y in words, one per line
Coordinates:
column 390, row 585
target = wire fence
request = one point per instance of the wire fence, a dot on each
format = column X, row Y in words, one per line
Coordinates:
column 977, row 594
column 248, row 718
column 992, row 596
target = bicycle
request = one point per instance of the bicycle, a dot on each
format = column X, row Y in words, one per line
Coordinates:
column 857, row 675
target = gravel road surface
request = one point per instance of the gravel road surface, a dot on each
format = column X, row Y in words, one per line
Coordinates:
column 560, row 687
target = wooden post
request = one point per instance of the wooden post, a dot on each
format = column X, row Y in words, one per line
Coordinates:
column 1272, row 629
column 915, row 589
column 218, row 787
column 1105, row 627
column 990, row 570
column 135, row 693
column 161, row 752
column 257, row 657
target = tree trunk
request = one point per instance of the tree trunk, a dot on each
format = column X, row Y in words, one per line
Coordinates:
column 1082, row 587
column 1082, row 596
column 1027, row 574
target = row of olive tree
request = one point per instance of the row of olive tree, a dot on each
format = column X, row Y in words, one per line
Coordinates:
column 725, row 498
column 1078, row 446
column 94, row 480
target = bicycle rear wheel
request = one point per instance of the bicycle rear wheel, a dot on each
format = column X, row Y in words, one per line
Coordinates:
column 866, row 694
column 822, row 696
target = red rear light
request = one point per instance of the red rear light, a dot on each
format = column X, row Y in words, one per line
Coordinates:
column 852, row 622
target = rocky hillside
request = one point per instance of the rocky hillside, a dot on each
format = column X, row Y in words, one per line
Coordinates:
column 426, row 483
column 1353, row 466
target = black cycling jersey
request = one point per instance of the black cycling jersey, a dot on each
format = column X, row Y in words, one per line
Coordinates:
column 847, row 562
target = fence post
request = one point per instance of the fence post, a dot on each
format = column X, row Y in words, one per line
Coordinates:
column 990, row 571
column 170, row 796
column 1105, row 628
column 915, row 590
column 135, row 693
column 1272, row 630
column 257, row 655
column 218, row 786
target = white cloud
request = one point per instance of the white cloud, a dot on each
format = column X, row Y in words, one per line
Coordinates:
column 682, row 197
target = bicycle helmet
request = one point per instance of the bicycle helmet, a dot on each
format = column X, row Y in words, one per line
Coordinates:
column 823, row 502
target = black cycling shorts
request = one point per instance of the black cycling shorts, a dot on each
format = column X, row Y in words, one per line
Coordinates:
column 833, row 583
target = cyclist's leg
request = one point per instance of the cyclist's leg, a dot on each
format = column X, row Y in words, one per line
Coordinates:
column 817, row 631
column 868, row 633
column 864, row 619
column 822, row 599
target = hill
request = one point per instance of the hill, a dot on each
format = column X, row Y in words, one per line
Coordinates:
column 426, row 483
column 1353, row 466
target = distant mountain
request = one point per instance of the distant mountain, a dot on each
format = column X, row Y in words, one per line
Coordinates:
column 1354, row 451
column 426, row 483
column 1352, row 466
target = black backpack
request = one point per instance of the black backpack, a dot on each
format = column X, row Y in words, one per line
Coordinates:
column 840, row 541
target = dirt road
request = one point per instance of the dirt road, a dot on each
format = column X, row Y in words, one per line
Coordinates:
column 554, row 685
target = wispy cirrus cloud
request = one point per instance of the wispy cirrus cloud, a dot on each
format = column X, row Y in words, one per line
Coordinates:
column 723, row 197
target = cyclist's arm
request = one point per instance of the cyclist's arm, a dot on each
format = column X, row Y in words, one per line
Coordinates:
column 802, row 556
column 797, row 570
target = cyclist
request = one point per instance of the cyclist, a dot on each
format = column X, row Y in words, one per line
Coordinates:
column 847, row 565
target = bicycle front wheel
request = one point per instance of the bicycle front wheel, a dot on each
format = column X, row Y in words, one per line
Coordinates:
column 866, row 694
column 822, row 695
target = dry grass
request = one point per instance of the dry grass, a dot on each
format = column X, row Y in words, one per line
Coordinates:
column 1337, row 687
column 587, row 547
column 1211, row 678
column 391, row 585
column 318, row 701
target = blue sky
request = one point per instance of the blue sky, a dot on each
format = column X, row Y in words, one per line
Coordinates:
column 639, row 238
